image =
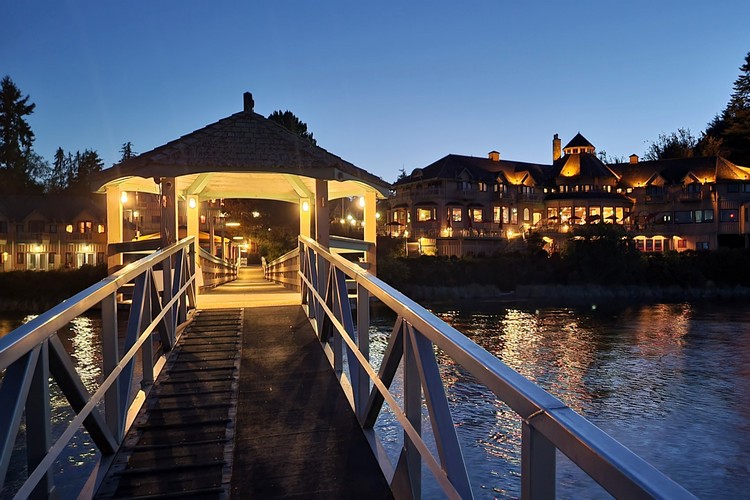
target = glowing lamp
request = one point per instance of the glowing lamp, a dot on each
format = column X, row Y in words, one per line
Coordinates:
column 124, row 197
column 362, row 201
column 192, row 203
column 305, row 206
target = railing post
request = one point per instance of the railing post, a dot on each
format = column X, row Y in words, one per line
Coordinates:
column 38, row 432
column 413, row 410
column 147, row 351
column 169, row 318
column 110, row 358
column 362, row 391
column 537, row 465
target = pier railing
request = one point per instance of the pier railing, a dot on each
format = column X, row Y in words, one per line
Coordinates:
column 216, row 271
column 547, row 423
column 163, row 294
column 283, row 270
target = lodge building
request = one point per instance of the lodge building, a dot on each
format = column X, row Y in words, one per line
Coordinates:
column 462, row 204
column 42, row 233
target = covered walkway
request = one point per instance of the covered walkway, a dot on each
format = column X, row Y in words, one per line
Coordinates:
column 250, row 289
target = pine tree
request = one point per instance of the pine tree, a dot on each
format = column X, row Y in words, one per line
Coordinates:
column 732, row 126
column 127, row 151
column 60, row 172
column 16, row 138
column 289, row 121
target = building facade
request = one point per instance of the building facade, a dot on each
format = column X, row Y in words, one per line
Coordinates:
column 463, row 204
column 42, row 233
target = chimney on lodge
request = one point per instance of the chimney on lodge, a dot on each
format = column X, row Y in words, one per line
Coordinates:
column 556, row 148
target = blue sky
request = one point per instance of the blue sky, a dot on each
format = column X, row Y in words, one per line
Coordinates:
column 384, row 85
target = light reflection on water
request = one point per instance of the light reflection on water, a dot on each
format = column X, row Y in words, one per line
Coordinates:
column 81, row 338
column 670, row 381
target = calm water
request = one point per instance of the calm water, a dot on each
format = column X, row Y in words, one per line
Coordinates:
column 671, row 382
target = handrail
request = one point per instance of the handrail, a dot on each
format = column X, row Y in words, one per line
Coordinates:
column 216, row 271
column 547, row 423
column 283, row 270
column 33, row 353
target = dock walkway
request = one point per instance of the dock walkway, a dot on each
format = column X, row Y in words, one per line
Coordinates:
column 248, row 408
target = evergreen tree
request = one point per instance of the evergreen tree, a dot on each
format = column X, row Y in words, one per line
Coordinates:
column 732, row 126
column 289, row 121
column 85, row 165
column 60, row 174
column 16, row 138
column 127, row 152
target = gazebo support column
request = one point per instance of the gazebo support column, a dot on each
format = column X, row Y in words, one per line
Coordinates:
column 114, row 225
column 370, row 233
column 193, row 229
column 305, row 217
column 168, row 211
column 322, row 234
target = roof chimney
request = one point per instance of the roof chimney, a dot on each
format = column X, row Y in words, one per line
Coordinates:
column 247, row 100
column 494, row 156
column 633, row 158
column 556, row 148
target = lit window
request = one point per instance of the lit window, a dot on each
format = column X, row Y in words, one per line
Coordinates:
column 526, row 214
column 456, row 214
column 69, row 228
column 425, row 214
column 100, row 228
column 496, row 214
column 476, row 214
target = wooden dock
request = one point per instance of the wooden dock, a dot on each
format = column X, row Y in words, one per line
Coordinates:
column 249, row 407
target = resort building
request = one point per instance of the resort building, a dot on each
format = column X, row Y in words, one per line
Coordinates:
column 463, row 204
column 42, row 233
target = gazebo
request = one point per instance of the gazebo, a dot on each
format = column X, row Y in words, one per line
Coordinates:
column 242, row 156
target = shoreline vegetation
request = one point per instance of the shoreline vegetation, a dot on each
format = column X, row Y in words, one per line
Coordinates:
column 36, row 291
column 575, row 278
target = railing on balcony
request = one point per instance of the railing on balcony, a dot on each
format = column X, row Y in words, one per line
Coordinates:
column 548, row 425
column 32, row 354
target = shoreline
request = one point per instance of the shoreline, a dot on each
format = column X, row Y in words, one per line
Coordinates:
column 574, row 294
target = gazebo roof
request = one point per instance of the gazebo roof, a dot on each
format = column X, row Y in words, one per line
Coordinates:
column 242, row 156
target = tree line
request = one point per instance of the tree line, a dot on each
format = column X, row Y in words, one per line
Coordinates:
column 22, row 170
column 727, row 135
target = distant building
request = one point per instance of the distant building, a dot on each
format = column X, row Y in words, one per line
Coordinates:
column 51, row 232
column 463, row 204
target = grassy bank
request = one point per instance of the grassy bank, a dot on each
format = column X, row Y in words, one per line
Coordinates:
column 34, row 291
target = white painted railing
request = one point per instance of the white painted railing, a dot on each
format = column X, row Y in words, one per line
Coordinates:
column 547, row 424
column 163, row 296
column 216, row 271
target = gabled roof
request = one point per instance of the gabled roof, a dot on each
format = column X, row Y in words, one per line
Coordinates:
column 482, row 169
column 242, row 143
column 578, row 141
column 704, row 169
column 51, row 208
column 584, row 165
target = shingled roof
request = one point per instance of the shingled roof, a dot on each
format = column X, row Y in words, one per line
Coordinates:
column 243, row 142
column 674, row 171
column 578, row 141
column 481, row 169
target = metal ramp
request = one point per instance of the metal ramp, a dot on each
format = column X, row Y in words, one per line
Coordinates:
column 181, row 441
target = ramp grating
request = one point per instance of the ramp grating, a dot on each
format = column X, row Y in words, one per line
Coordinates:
column 181, row 442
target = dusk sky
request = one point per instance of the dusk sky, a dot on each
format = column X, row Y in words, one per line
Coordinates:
column 384, row 85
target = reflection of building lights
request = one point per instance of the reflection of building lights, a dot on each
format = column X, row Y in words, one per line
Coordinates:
column 305, row 206
column 124, row 197
column 192, row 203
